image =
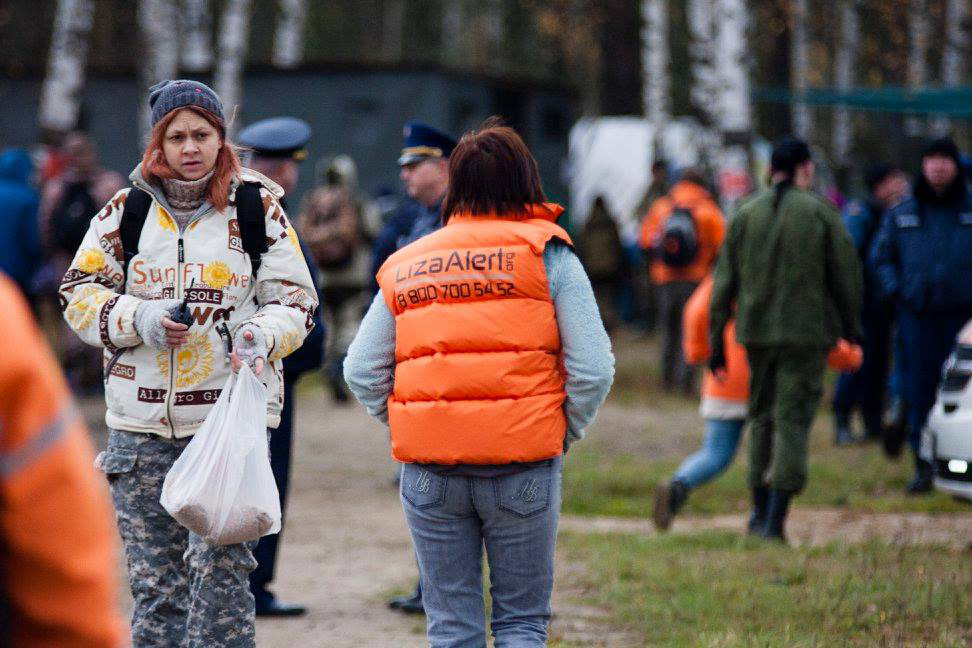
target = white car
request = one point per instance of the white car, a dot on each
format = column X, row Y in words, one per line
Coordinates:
column 947, row 439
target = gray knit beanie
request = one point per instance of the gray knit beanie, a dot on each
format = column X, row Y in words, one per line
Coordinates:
column 166, row 96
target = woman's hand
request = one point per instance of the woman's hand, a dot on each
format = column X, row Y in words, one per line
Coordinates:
column 175, row 334
column 153, row 322
column 250, row 347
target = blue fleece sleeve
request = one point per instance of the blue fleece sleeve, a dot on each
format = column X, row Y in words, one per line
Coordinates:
column 369, row 367
column 585, row 344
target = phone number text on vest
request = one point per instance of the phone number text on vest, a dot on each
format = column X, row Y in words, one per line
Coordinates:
column 456, row 276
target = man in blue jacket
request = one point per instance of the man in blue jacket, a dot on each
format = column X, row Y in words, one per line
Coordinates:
column 19, row 245
column 865, row 389
column 922, row 263
column 278, row 146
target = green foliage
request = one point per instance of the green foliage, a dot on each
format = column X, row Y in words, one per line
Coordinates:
column 722, row 589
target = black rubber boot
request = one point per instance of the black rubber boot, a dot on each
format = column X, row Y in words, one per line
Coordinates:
column 411, row 604
column 669, row 498
column 842, row 431
column 896, row 430
column 757, row 521
column 776, row 510
column 922, row 482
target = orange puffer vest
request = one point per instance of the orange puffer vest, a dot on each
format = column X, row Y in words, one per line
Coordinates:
column 478, row 377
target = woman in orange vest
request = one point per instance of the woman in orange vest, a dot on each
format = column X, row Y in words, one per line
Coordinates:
column 724, row 407
column 485, row 354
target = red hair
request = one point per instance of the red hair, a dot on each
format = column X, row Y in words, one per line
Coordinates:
column 155, row 167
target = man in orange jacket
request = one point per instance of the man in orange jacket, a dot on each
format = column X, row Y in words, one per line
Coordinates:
column 58, row 570
column 681, row 233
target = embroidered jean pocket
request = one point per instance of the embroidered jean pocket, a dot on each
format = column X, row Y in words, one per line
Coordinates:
column 524, row 494
column 421, row 487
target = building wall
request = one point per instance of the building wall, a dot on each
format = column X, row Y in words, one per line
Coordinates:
column 360, row 113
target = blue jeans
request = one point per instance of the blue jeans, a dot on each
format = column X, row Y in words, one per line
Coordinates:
column 717, row 451
column 451, row 519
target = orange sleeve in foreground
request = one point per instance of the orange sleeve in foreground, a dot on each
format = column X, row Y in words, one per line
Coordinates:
column 60, row 565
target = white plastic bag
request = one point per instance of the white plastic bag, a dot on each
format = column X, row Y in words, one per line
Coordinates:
column 221, row 486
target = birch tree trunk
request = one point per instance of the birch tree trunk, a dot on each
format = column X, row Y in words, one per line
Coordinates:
column 844, row 62
column 919, row 36
column 954, row 52
column 197, row 47
column 453, row 22
column 701, row 25
column 61, row 95
column 234, row 29
column 288, row 47
column 802, row 121
column 734, row 106
column 654, row 56
column 392, row 28
column 157, row 20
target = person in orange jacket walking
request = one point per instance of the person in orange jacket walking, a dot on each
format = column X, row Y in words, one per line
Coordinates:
column 681, row 234
column 59, row 567
column 724, row 405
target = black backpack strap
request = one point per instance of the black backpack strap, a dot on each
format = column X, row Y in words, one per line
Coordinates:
column 251, row 218
column 130, row 226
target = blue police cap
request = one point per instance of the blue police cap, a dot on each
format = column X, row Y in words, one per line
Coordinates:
column 277, row 137
column 423, row 142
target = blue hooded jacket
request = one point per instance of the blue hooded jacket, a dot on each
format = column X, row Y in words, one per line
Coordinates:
column 19, row 241
column 922, row 255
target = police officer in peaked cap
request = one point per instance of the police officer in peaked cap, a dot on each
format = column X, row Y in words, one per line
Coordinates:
column 277, row 146
column 424, row 164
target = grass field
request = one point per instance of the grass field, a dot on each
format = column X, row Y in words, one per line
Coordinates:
column 721, row 589
column 714, row 588
column 609, row 473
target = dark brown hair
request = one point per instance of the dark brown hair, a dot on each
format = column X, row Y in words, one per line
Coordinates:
column 491, row 171
column 155, row 166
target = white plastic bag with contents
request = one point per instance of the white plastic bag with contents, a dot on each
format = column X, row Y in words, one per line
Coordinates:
column 221, row 486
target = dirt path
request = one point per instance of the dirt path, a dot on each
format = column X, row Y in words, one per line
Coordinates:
column 809, row 527
column 346, row 547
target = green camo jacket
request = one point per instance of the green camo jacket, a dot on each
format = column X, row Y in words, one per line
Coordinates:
column 793, row 276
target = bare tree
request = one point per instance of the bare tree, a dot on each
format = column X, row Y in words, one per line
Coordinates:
column 655, row 57
column 392, row 29
column 799, row 63
column 234, row 29
column 157, row 20
column 702, row 30
column 289, row 40
column 919, row 36
column 844, row 61
column 61, row 95
column 955, row 51
column 453, row 22
column 734, row 114
column 197, row 47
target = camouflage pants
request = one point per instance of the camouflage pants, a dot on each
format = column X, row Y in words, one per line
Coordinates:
column 187, row 593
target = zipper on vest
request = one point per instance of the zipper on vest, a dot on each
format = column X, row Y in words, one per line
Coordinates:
column 170, row 395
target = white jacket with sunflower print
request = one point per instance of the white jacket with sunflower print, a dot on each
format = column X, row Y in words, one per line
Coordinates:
column 170, row 392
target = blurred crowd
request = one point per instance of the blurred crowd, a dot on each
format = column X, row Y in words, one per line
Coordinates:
column 909, row 232
column 50, row 194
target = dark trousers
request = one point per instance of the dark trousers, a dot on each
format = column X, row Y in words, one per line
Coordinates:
column 280, row 450
column 676, row 373
column 866, row 387
column 785, row 390
column 926, row 342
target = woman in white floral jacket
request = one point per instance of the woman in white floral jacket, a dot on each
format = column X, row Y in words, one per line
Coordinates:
column 162, row 377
